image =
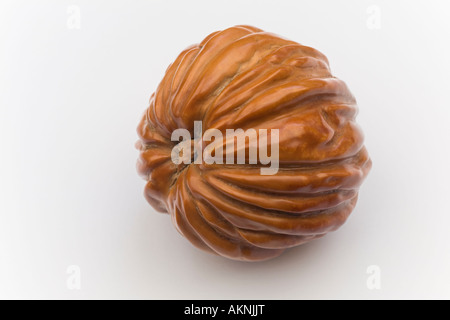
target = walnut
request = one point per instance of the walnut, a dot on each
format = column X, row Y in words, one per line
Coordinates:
column 245, row 78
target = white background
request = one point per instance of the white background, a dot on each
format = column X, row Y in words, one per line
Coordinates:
column 70, row 100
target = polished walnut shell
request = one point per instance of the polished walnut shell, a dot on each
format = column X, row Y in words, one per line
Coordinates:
column 243, row 77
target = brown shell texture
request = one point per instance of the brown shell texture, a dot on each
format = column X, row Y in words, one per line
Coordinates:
column 243, row 77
